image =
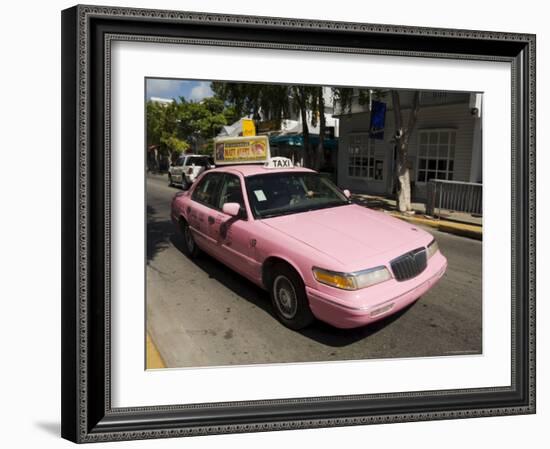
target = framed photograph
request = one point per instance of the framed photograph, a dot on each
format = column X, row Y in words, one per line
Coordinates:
column 276, row 224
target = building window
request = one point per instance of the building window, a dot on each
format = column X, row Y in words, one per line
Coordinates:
column 361, row 160
column 436, row 154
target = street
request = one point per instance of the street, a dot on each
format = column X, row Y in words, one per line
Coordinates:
column 200, row 313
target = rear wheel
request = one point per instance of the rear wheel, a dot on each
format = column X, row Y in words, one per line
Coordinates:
column 288, row 296
column 189, row 245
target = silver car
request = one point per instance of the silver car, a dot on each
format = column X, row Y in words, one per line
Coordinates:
column 187, row 168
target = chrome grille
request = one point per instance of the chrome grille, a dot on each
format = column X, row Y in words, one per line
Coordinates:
column 409, row 265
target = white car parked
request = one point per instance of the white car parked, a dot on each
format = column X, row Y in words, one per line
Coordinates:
column 187, row 168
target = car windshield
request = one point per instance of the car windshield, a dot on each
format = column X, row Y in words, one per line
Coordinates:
column 284, row 193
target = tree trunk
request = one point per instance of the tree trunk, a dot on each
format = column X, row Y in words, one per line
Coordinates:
column 300, row 103
column 320, row 156
column 305, row 135
column 403, row 178
column 157, row 159
column 402, row 135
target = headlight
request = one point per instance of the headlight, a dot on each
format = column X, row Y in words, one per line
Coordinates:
column 352, row 281
column 433, row 248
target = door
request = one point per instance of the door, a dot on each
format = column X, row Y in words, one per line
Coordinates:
column 203, row 210
column 232, row 235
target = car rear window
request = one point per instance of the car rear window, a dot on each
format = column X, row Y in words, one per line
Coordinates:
column 198, row 161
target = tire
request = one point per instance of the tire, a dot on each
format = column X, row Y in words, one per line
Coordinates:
column 190, row 247
column 170, row 182
column 184, row 183
column 288, row 297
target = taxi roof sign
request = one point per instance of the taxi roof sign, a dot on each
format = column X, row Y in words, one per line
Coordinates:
column 279, row 162
column 241, row 150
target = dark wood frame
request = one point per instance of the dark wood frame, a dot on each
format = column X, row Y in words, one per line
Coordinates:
column 87, row 32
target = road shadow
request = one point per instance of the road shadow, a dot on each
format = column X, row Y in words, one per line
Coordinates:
column 372, row 203
column 158, row 232
column 331, row 336
column 227, row 277
column 319, row 332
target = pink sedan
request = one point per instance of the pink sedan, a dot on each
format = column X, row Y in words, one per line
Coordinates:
column 294, row 233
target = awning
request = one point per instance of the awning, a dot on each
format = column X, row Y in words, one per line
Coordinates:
column 297, row 140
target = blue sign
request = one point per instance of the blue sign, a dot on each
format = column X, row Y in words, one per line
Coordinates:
column 377, row 120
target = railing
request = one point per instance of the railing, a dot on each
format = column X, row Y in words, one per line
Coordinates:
column 455, row 196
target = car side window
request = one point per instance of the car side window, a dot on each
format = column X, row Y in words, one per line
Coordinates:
column 207, row 190
column 179, row 162
column 198, row 161
column 231, row 191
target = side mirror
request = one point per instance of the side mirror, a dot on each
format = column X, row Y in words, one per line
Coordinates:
column 347, row 193
column 232, row 209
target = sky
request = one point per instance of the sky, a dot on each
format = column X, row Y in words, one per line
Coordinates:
column 171, row 88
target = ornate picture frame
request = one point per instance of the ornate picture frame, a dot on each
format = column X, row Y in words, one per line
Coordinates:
column 87, row 35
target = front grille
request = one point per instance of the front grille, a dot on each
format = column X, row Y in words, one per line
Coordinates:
column 409, row 265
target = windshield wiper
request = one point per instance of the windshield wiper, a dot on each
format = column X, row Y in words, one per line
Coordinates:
column 278, row 214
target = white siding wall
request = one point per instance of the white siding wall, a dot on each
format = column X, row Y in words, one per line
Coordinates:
column 454, row 116
column 359, row 123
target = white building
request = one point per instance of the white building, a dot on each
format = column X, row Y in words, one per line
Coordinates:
column 445, row 143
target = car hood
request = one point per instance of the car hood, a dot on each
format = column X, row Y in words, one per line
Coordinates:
column 351, row 233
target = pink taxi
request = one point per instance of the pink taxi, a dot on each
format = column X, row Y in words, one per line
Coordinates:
column 294, row 233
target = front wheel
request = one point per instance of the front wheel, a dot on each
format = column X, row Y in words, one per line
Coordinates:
column 190, row 247
column 289, row 299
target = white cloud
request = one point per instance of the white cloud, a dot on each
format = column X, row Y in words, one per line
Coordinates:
column 200, row 91
column 162, row 87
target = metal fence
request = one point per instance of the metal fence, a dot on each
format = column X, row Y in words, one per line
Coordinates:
column 454, row 195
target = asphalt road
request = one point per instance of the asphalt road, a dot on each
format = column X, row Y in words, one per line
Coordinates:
column 201, row 313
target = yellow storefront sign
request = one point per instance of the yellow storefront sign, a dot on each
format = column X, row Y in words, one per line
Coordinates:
column 248, row 128
column 241, row 150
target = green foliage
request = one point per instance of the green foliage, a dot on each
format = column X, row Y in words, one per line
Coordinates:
column 184, row 124
column 203, row 119
column 231, row 114
column 248, row 99
column 175, row 145
column 344, row 96
column 155, row 122
column 207, row 148
column 175, row 127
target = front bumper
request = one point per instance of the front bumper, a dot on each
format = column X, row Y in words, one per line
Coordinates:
column 345, row 309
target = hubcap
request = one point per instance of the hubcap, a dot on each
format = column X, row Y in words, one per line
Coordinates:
column 285, row 297
column 188, row 238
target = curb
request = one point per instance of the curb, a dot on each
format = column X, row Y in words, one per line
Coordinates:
column 450, row 227
column 153, row 358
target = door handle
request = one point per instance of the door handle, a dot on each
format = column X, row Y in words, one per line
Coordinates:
column 211, row 220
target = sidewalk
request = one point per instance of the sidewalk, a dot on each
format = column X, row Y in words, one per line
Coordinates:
column 458, row 223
